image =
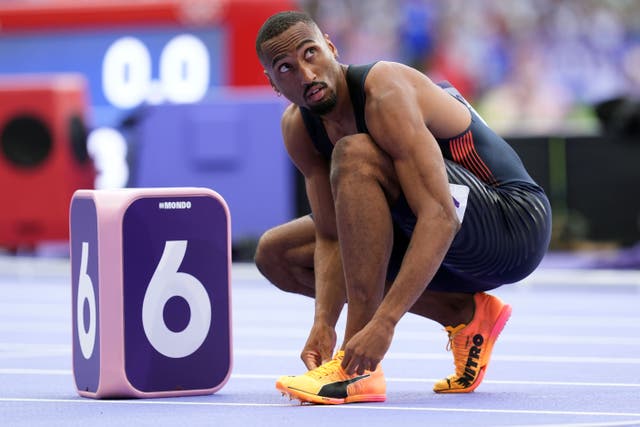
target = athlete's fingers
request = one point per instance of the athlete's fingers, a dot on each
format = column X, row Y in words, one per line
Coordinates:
column 310, row 364
column 311, row 360
column 353, row 364
column 346, row 360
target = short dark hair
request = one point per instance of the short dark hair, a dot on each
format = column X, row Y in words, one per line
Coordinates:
column 278, row 24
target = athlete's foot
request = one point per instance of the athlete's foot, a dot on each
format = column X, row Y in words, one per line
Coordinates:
column 472, row 344
column 330, row 384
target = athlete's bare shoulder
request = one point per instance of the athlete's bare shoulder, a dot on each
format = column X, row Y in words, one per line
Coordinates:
column 387, row 74
column 290, row 115
column 297, row 140
column 292, row 125
column 394, row 83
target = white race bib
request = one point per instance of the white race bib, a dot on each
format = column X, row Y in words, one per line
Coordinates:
column 460, row 193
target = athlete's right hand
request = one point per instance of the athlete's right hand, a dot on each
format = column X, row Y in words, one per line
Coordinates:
column 320, row 345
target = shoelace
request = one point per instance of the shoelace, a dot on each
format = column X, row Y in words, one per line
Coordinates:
column 452, row 334
column 326, row 369
column 458, row 351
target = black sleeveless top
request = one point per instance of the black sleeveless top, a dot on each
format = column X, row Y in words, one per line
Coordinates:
column 478, row 149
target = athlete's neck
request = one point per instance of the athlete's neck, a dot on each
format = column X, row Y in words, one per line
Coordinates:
column 342, row 113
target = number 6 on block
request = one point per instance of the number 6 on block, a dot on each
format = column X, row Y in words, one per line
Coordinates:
column 86, row 335
column 150, row 289
column 167, row 282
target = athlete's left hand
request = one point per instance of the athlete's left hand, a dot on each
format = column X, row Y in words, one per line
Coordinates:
column 367, row 348
column 319, row 346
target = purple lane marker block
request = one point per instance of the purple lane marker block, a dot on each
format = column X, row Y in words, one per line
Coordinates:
column 161, row 265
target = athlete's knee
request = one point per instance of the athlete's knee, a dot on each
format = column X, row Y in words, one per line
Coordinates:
column 268, row 254
column 352, row 150
column 283, row 263
column 355, row 155
column 357, row 159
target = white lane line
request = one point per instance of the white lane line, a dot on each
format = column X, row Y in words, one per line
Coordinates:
column 583, row 320
column 343, row 407
column 397, row 355
column 440, row 337
column 32, row 346
column 273, row 377
column 557, row 383
column 39, row 268
column 497, row 411
column 583, row 277
column 541, row 276
column 523, row 358
column 433, row 380
column 81, row 400
column 401, row 335
column 635, row 423
column 36, row 351
column 31, row 371
column 28, row 350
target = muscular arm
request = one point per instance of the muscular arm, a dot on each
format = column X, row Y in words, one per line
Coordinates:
column 409, row 98
column 330, row 294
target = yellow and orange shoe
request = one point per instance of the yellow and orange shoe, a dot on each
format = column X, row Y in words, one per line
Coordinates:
column 472, row 344
column 330, row 384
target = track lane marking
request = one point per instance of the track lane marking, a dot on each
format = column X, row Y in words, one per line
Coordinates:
column 167, row 402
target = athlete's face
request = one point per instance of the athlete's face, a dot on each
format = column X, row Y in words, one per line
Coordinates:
column 301, row 64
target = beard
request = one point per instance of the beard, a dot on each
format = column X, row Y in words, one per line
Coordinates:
column 326, row 106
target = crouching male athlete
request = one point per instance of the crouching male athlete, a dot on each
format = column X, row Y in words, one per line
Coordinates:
column 379, row 146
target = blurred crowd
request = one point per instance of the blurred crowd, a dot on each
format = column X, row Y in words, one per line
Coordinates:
column 528, row 66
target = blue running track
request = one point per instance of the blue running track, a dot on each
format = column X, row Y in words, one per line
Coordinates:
column 569, row 356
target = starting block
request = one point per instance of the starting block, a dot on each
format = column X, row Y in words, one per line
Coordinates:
column 151, row 292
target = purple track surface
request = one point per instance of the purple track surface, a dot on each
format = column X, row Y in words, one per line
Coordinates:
column 569, row 356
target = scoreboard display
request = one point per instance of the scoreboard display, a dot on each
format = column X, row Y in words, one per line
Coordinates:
column 137, row 52
column 124, row 68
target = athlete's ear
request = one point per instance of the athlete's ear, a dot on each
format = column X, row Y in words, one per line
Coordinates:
column 271, row 83
column 331, row 46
